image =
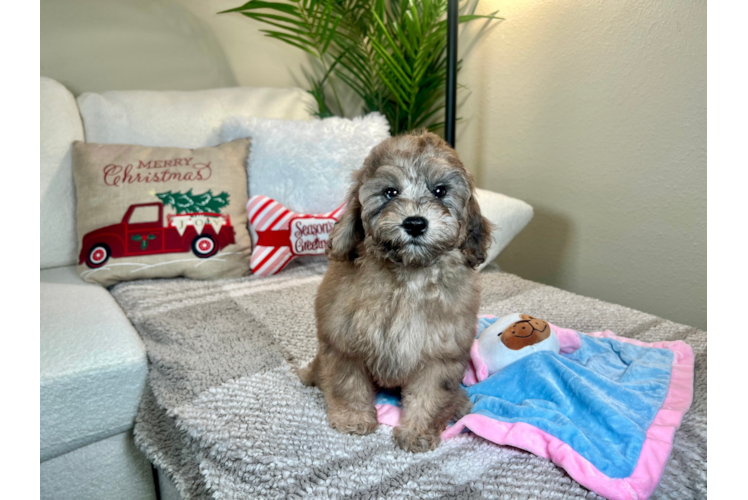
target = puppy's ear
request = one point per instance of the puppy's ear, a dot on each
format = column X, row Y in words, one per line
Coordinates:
column 348, row 231
column 478, row 234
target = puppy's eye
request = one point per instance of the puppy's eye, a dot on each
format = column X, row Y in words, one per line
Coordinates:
column 390, row 193
column 440, row 191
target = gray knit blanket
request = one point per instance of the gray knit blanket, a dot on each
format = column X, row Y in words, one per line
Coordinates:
column 224, row 416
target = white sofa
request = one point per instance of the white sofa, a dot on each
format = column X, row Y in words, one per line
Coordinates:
column 93, row 363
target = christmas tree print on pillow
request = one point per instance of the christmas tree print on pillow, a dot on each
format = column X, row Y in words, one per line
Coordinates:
column 188, row 202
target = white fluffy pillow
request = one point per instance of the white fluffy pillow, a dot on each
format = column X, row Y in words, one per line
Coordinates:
column 306, row 166
column 508, row 215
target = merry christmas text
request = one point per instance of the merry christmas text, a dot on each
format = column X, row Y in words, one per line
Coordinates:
column 156, row 171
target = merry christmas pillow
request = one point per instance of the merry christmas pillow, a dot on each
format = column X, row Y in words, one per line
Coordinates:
column 161, row 212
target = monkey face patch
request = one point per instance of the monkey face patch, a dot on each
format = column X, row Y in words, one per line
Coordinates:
column 511, row 338
column 527, row 331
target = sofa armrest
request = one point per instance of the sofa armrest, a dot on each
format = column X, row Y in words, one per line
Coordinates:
column 93, row 364
column 508, row 215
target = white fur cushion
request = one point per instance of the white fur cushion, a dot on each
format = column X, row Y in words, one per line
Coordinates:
column 60, row 126
column 306, row 166
column 183, row 119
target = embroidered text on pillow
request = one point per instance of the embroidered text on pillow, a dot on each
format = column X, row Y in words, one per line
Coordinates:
column 280, row 235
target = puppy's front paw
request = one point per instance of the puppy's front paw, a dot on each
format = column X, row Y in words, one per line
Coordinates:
column 416, row 441
column 352, row 422
column 464, row 406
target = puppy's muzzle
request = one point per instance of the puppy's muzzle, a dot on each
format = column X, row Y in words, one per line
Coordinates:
column 415, row 226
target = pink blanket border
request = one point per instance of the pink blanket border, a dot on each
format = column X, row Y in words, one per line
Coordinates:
column 655, row 450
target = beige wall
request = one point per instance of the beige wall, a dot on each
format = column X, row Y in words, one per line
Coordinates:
column 592, row 111
column 97, row 45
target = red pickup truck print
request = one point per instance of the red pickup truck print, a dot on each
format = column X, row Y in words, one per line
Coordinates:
column 143, row 232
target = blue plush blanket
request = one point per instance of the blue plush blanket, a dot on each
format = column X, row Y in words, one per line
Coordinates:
column 589, row 410
column 600, row 399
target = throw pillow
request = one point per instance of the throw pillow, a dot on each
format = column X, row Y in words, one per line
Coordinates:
column 306, row 166
column 161, row 212
column 280, row 235
column 508, row 215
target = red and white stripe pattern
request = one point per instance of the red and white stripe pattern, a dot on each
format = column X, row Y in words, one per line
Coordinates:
column 269, row 220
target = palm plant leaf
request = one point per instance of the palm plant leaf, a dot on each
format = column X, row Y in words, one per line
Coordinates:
column 391, row 53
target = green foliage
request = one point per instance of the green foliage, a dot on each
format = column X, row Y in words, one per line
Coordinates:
column 392, row 53
column 193, row 203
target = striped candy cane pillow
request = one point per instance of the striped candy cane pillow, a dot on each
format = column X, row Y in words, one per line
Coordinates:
column 280, row 235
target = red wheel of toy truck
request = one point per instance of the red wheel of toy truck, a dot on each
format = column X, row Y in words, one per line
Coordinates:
column 97, row 256
column 204, row 246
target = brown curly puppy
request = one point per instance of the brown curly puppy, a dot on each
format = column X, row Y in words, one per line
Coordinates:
column 399, row 303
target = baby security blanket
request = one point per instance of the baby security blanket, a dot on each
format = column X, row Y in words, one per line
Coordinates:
column 605, row 408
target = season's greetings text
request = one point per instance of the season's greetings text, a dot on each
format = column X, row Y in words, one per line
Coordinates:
column 176, row 169
column 309, row 236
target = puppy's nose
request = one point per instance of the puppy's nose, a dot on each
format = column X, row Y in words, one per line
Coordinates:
column 415, row 226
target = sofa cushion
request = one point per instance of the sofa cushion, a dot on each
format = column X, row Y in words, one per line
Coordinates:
column 93, row 364
column 60, row 126
column 182, row 119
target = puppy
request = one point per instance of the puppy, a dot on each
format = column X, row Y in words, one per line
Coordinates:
column 399, row 303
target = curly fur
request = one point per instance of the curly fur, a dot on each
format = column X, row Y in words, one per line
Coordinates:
column 396, row 310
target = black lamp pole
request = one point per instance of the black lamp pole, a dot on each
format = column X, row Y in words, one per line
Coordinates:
column 451, row 108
